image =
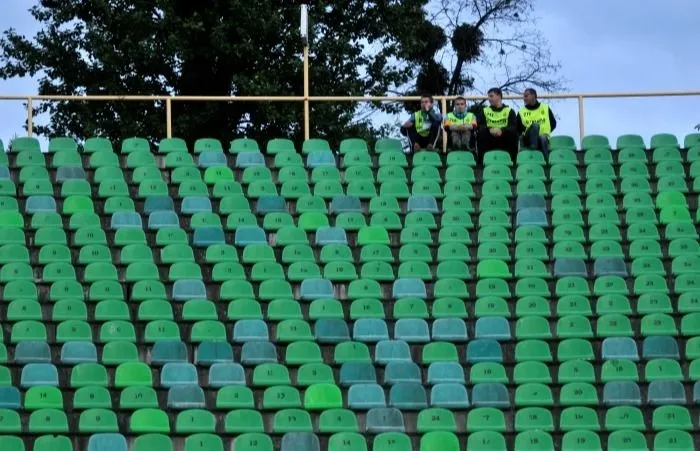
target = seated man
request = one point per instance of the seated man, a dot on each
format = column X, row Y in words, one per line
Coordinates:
column 497, row 127
column 535, row 122
column 423, row 127
column 460, row 124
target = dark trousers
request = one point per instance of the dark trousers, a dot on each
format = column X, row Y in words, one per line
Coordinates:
column 532, row 139
column 486, row 142
column 422, row 141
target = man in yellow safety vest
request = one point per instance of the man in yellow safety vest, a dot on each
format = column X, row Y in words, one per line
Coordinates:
column 460, row 124
column 498, row 125
column 423, row 127
column 535, row 122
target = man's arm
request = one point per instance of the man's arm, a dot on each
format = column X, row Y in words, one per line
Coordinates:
column 520, row 125
column 552, row 119
column 512, row 126
column 409, row 123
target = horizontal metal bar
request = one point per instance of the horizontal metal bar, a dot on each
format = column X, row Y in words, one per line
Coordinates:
column 137, row 98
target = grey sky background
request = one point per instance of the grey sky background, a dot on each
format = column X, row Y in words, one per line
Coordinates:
column 603, row 45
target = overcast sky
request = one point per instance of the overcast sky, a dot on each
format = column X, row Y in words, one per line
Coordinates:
column 603, row 45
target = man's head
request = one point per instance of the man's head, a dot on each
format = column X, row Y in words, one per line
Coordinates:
column 530, row 97
column 426, row 102
column 460, row 104
column 495, row 97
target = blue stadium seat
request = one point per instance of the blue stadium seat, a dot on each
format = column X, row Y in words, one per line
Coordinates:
column 158, row 203
column 167, row 351
column 408, row 396
column 445, row 373
column 74, row 352
column 484, row 350
column 384, row 419
column 622, row 393
column 357, row 373
column 400, row 372
column 4, row 173
column 564, row 267
column 532, row 217
column 370, row 330
column 69, row 173
column 223, row 374
column 257, row 352
column 312, row 289
column 330, row 235
column 494, row 327
column 409, row 288
column 107, row 442
column 344, row 204
column 300, row 441
column 449, row 329
column 490, row 395
column 178, row 373
column 610, row 266
column 126, row 220
column 9, row 398
column 412, row 330
column 449, row 396
column 208, row 236
column 619, row 348
column 366, row 396
column 212, row 352
column 320, row 158
column 32, row 352
column 185, row 290
column 388, row 351
column 250, row 330
column 422, row 203
column 36, row 204
column 271, row 204
column 250, row 159
column 195, row 204
column 525, row 201
column 34, row 374
column 249, row 235
column 186, row 397
column 211, row 158
column 661, row 347
column 331, row 331
column 163, row 219
column 661, row 393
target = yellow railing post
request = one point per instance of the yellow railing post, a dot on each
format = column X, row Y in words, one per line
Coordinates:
column 30, row 117
column 443, row 107
column 168, row 118
column 581, row 118
column 307, row 119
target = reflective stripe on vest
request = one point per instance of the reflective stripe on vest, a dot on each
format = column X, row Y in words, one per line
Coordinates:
column 496, row 119
column 467, row 119
column 422, row 126
column 537, row 116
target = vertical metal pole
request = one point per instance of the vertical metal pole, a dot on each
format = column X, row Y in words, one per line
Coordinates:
column 30, row 117
column 168, row 118
column 581, row 119
column 443, row 108
column 306, row 92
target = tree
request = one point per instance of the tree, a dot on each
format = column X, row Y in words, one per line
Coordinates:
column 485, row 36
column 241, row 48
column 210, row 48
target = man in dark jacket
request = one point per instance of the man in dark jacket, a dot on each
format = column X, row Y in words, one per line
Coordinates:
column 535, row 122
column 498, row 125
column 423, row 127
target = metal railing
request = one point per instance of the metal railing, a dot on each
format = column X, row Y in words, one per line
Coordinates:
column 307, row 99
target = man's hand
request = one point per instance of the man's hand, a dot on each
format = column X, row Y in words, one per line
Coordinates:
column 496, row 132
column 407, row 124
